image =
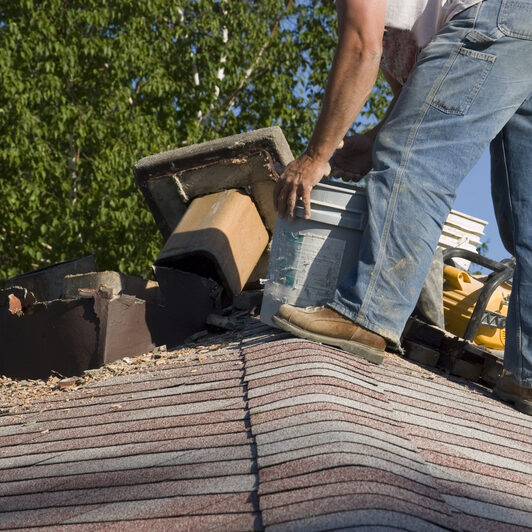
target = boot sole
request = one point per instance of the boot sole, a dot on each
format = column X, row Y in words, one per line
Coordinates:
column 375, row 356
column 523, row 405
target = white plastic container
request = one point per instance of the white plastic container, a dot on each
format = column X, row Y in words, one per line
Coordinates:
column 309, row 257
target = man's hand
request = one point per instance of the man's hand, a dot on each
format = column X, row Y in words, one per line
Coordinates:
column 296, row 182
column 353, row 159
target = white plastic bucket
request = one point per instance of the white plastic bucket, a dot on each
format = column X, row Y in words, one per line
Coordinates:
column 309, row 257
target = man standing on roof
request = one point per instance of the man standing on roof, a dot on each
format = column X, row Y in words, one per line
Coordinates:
column 462, row 74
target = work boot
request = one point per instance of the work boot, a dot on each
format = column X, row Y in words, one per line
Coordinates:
column 509, row 390
column 326, row 326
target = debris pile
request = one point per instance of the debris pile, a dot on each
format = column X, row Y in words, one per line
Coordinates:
column 213, row 204
column 97, row 317
column 18, row 395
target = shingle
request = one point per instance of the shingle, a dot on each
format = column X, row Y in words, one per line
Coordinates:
column 110, row 451
column 466, row 426
column 353, row 496
column 340, row 474
column 312, row 386
column 156, row 377
column 493, row 512
column 220, row 360
column 352, row 490
column 257, row 407
column 486, row 440
column 466, row 397
column 465, row 464
column 363, row 519
column 473, row 524
column 142, row 414
column 475, row 406
column 116, row 462
column 313, row 369
column 279, row 354
column 280, row 433
column 188, row 523
column 221, row 505
column 155, row 398
column 62, row 440
column 352, row 438
column 60, row 430
column 497, row 497
column 264, row 339
column 128, row 477
column 287, row 348
column 476, row 454
column 293, row 465
column 229, row 484
column 298, row 379
column 348, row 428
column 326, row 410
column 307, row 418
column 466, row 480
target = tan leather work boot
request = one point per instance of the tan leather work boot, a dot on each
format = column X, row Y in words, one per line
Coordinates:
column 326, row 326
column 509, row 390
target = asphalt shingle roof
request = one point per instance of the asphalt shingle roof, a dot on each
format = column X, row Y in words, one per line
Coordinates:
column 270, row 433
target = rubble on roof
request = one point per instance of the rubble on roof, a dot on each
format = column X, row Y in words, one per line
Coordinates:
column 213, row 202
column 46, row 284
column 97, row 318
column 173, row 182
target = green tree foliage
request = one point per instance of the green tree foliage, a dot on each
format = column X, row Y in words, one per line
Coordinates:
column 90, row 87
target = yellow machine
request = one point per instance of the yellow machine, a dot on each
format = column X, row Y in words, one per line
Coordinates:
column 462, row 293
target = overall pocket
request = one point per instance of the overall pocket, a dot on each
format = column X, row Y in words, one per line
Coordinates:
column 515, row 18
column 467, row 71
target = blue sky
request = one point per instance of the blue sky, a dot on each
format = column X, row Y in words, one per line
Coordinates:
column 474, row 198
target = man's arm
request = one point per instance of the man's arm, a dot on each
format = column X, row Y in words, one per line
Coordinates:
column 352, row 76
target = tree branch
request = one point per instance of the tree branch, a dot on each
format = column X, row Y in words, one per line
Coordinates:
column 247, row 75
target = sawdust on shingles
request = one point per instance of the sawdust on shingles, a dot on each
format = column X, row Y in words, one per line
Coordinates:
column 18, row 395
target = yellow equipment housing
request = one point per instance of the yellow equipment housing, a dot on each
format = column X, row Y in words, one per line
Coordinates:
column 460, row 294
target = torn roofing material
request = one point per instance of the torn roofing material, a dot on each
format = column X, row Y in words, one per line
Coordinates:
column 272, row 433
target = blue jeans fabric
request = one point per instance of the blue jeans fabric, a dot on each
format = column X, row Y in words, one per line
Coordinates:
column 471, row 87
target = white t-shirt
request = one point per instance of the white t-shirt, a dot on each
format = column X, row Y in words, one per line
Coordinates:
column 423, row 17
column 411, row 25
